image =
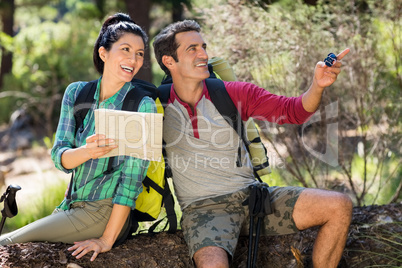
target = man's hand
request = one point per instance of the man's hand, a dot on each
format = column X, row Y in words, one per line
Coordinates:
column 96, row 245
column 325, row 76
column 97, row 145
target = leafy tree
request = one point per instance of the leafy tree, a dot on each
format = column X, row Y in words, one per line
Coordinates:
column 277, row 47
column 48, row 56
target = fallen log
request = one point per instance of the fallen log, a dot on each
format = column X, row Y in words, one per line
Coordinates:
column 374, row 239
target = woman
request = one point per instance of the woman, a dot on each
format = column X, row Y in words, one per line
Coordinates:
column 97, row 212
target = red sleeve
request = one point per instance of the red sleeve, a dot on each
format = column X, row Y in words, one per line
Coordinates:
column 256, row 102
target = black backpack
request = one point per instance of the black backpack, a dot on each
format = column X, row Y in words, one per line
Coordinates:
column 131, row 102
column 225, row 106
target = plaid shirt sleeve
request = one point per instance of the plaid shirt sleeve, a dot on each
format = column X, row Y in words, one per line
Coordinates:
column 134, row 170
column 64, row 138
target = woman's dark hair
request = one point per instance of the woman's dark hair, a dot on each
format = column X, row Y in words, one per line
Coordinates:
column 112, row 29
column 165, row 42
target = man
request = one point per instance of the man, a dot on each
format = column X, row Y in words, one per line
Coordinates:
column 202, row 150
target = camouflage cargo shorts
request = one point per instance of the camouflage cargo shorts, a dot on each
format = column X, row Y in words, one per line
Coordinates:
column 219, row 221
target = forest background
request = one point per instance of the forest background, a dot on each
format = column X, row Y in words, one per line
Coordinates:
column 352, row 144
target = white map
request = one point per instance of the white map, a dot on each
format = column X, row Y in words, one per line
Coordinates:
column 136, row 134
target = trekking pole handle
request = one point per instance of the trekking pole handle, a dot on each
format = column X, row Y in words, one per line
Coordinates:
column 10, row 205
column 12, row 190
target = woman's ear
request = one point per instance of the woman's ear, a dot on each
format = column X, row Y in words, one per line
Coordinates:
column 102, row 53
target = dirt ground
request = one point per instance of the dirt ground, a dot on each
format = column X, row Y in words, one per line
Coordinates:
column 374, row 239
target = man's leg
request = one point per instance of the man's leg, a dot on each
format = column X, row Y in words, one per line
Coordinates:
column 333, row 212
column 211, row 228
column 211, row 257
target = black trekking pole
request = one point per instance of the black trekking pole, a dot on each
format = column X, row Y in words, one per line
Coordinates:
column 10, row 204
column 250, row 240
column 257, row 236
column 264, row 209
column 259, row 205
column 254, row 209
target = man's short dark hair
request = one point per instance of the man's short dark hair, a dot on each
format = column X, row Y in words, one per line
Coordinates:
column 165, row 42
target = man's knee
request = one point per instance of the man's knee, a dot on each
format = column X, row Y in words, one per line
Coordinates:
column 208, row 257
column 344, row 207
column 317, row 207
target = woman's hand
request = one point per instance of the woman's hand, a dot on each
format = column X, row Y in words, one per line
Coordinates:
column 97, row 145
column 81, row 248
column 98, row 245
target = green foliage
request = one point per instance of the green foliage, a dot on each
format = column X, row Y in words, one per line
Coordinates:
column 47, row 57
column 49, row 141
column 6, row 41
column 83, row 9
column 277, row 47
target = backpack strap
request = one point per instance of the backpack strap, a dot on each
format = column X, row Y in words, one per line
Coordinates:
column 83, row 103
column 225, row 106
column 168, row 201
column 134, row 97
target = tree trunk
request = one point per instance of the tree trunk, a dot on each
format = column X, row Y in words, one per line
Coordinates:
column 177, row 13
column 311, row 2
column 139, row 11
column 100, row 4
column 7, row 19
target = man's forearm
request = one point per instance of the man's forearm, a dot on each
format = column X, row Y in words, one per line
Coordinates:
column 312, row 98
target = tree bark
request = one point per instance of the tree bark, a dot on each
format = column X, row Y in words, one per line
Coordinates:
column 139, row 11
column 7, row 19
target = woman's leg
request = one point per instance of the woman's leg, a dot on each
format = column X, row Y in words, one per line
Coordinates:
column 83, row 221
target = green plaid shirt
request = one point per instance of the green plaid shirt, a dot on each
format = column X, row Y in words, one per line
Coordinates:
column 90, row 183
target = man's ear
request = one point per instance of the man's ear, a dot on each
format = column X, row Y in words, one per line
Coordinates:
column 168, row 61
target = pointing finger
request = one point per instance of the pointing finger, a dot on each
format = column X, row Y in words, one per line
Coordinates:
column 343, row 54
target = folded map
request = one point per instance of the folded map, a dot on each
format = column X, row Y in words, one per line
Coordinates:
column 136, row 134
